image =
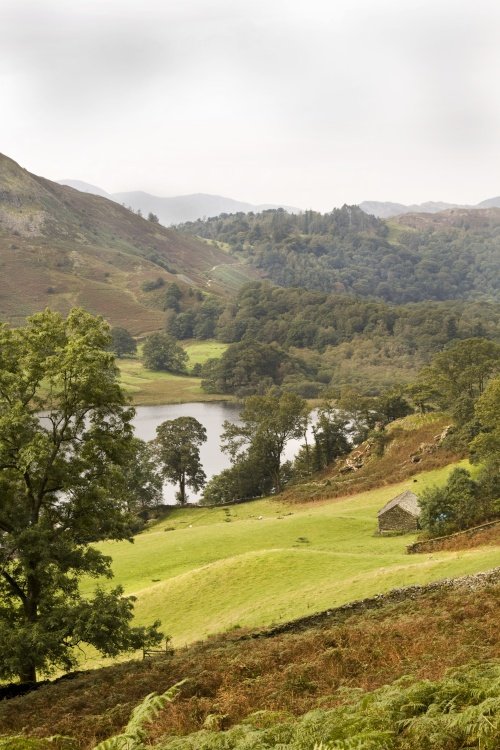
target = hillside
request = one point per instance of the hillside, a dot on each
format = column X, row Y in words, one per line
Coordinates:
column 446, row 256
column 263, row 682
column 289, row 605
column 208, row 570
column 388, row 209
column 61, row 247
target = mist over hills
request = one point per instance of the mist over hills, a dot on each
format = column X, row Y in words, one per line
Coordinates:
column 387, row 209
column 183, row 208
column 176, row 209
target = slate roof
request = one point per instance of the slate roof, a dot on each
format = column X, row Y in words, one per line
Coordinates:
column 407, row 500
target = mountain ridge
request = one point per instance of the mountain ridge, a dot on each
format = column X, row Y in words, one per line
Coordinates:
column 177, row 209
column 388, row 209
column 60, row 247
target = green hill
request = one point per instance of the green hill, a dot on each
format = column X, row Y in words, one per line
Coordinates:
column 60, row 247
column 450, row 255
column 203, row 570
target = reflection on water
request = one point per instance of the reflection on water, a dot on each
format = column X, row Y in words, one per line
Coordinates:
column 212, row 416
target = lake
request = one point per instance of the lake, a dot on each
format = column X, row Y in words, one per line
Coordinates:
column 212, row 416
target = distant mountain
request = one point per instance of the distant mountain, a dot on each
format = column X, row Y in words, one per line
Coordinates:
column 85, row 187
column 61, row 247
column 176, row 209
column 386, row 209
column 490, row 203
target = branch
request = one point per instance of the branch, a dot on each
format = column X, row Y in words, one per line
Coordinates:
column 15, row 586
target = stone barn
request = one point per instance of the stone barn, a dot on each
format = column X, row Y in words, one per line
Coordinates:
column 400, row 514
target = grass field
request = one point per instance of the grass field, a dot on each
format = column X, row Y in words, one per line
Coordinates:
column 203, row 571
column 200, row 351
column 150, row 387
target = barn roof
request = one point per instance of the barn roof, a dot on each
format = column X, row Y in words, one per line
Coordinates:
column 407, row 500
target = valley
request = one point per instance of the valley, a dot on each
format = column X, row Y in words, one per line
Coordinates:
column 259, row 318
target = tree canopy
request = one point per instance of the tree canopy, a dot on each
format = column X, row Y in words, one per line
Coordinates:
column 267, row 424
column 162, row 352
column 177, row 448
column 61, row 482
column 408, row 259
column 122, row 342
column 486, row 445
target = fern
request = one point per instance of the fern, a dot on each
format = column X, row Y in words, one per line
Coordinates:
column 135, row 733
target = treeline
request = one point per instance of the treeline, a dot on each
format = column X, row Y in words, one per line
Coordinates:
column 462, row 380
column 308, row 341
column 348, row 251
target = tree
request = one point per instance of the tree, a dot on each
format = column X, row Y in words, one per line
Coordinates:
column 143, row 486
column 267, row 424
column 362, row 411
column 462, row 370
column 486, row 445
column 423, row 395
column 177, row 447
column 243, row 480
column 122, row 342
column 153, row 218
column 330, row 435
column 61, row 489
column 456, row 506
column 162, row 352
column 173, row 296
column 246, row 368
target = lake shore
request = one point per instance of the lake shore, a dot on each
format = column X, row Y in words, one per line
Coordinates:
column 153, row 388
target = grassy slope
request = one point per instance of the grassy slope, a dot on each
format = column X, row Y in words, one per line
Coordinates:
column 60, row 247
column 149, row 387
column 201, row 574
column 292, row 672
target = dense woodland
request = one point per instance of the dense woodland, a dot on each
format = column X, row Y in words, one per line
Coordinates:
column 308, row 340
column 348, row 251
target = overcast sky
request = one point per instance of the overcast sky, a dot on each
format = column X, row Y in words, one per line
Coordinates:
column 313, row 103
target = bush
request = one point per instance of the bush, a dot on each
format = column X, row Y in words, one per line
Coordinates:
column 150, row 286
column 460, row 504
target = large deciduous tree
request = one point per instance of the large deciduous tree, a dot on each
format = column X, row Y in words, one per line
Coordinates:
column 177, row 447
column 61, row 482
column 162, row 352
column 122, row 342
column 462, row 370
column 267, row 424
column 486, row 445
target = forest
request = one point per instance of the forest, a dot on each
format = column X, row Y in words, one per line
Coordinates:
column 452, row 256
column 308, row 340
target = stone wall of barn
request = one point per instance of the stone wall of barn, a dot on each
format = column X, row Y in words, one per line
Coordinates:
column 397, row 519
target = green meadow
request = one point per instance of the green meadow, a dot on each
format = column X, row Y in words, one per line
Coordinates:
column 150, row 387
column 202, row 571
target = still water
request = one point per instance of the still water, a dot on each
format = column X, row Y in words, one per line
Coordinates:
column 212, row 416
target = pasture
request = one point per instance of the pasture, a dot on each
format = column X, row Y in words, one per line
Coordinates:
column 148, row 387
column 202, row 571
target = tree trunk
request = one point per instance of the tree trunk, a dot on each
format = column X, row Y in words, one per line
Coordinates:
column 28, row 672
column 277, row 478
column 182, row 490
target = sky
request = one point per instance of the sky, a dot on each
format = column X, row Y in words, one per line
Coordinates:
column 310, row 103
